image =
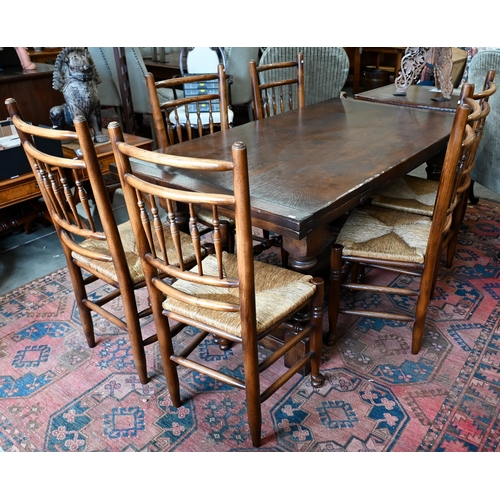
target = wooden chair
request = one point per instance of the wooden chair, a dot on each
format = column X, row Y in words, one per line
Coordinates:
column 95, row 247
column 418, row 195
column 178, row 120
column 228, row 295
column 402, row 242
column 277, row 87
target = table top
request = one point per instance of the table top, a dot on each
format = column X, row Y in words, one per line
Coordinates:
column 417, row 96
column 309, row 166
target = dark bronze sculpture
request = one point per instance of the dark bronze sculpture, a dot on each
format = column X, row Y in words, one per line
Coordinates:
column 75, row 75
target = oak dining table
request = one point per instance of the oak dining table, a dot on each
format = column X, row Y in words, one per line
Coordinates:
column 308, row 167
column 421, row 97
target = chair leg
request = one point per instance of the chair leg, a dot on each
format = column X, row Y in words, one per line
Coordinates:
column 227, row 236
column 426, row 288
column 252, row 389
column 334, row 300
column 135, row 334
column 458, row 217
column 316, row 340
column 81, row 297
column 472, row 198
column 165, row 345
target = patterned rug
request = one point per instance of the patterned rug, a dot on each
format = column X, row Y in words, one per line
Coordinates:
column 56, row 394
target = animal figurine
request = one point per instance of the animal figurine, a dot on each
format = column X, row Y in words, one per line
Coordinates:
column 76, row 76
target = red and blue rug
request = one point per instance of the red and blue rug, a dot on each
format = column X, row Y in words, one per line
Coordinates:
column 56, row 394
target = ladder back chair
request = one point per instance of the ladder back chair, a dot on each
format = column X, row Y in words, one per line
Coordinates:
column 277, row 87
column 402, row 242
column 230, row 296
column 418, row 195
column 178, row 120
column 204, row 112
column 95, row 247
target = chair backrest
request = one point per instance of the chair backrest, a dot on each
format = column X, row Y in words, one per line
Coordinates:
column 143, row 200
column 478, row 124
column 74, row 219
column 487, row 168
column 196, row 60
column 238, row 71
column 191, row 114
column 459, row 154
column 327, row 69
column 277, row 87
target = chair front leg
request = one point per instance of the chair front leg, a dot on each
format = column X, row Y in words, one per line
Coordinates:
column 334, row 299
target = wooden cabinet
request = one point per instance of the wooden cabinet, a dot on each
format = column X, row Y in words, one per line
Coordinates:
column 386, row 58
column 19, row 189
column 47, row 55
column 32, row 90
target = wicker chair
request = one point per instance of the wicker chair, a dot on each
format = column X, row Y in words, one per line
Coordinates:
column 418, row 195
column 326, row 69
column 402, row 242
column 228, row 295
column 487, row 169
column 95, row 247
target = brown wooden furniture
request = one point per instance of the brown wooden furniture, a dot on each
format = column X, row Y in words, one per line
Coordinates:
column 227, row 295
column 164, row 70
column 192, row 116
column 46, row 55
column 32, row 89
column 405, row 243
column 108, row 254
column 417, row 96
column 276, row 88
column 25, row 187
column 310, row 166
column 374, row 56
column 416, row 195
column 105, row 157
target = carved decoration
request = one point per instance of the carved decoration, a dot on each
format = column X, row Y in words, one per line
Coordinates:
column 413, row 62
column 443, row 64
column 75, row 75
column 411, row 65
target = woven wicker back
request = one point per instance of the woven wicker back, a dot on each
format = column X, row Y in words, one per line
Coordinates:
column 486, row 171
column 325, row 69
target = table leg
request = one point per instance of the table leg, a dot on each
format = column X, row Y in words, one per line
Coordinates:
column 303, row 254
column 435, row 166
